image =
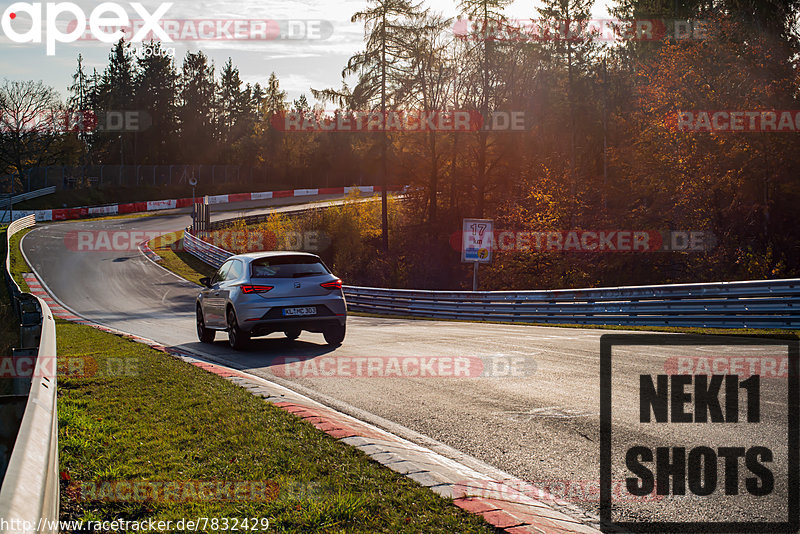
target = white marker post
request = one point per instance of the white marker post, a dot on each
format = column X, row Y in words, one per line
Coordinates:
column 193, row 183
column 477, row 242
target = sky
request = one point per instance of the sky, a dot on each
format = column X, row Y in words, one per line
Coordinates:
column 299, row 64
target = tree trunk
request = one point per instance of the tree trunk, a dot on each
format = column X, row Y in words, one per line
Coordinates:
column 384, row 199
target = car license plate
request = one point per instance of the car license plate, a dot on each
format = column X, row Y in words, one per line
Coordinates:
column 308, row 310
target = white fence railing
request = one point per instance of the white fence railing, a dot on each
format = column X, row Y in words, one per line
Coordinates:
column 27, row 196
column 30, row 488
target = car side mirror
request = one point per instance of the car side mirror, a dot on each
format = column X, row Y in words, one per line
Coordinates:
column 206, row 281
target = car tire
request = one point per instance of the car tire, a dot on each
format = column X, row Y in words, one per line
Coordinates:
column 206, row 335
column 237, row 338
column 334, row 334
column 292, row 334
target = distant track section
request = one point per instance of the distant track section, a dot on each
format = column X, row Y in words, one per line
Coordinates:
column 64, row 214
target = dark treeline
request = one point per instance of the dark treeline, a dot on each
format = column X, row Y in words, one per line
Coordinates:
column 199, row 116
column 599, row 151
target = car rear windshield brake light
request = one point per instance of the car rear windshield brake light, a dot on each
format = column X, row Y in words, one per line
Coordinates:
column 249, row 288
column 336, row 284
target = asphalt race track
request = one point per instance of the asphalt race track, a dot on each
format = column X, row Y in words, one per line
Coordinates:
column 541, row 425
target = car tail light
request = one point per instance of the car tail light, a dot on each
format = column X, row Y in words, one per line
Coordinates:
column 249, row 288
column 336, row 284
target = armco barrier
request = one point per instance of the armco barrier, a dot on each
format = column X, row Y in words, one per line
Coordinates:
column 27, row 196
column 263, row 217
column 207, row 252
column 30, row 490
column 11, row 284
column 747, row 304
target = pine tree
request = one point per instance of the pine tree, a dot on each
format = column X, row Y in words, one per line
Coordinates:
column 115, row 93
column 196, row 110
column 156, row 86
column 378, row 67
column 78, row 105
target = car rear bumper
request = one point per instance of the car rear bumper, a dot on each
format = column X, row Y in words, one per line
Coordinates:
column 309, row 324
column 263, row 316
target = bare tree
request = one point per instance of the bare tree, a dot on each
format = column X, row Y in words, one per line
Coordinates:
column 32, row 121
column 489, row 15
column 428, row 85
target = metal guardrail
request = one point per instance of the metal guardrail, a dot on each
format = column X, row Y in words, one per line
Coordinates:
column 30, row 487
column 27, row 196
column 291, row 212
column 13, row 289
column 30, row 491
column 746, row 304
column 207, row 252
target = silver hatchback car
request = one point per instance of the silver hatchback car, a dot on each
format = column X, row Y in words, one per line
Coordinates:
column 259, row 293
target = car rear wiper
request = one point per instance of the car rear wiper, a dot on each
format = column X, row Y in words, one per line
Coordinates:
column 309, row 273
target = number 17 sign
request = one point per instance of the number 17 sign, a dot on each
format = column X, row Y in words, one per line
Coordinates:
column 477, row 240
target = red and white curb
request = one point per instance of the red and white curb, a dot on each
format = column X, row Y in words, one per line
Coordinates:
column 145, row 249
column 35, row 288
column 64, row 214
column 493, row 497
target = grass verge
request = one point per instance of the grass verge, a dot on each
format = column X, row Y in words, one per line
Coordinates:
column 9, row 329
column 165, row 420
column 18, row 263
column 189, row 267
column 176, row 259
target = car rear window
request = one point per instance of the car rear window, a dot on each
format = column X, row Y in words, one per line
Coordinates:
column 287, row 267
